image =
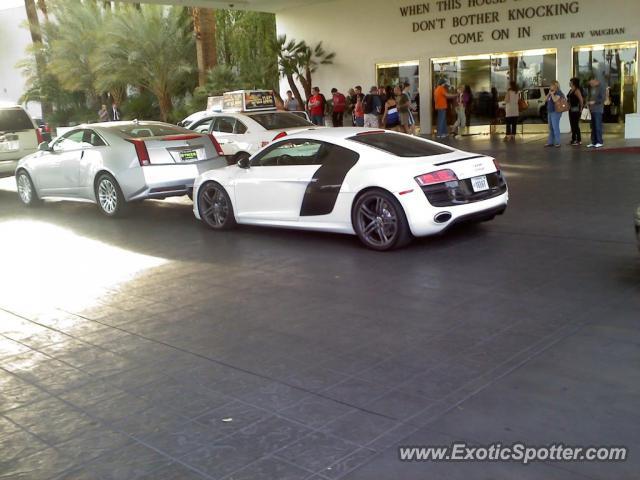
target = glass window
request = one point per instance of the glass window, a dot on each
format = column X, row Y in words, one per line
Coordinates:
column 143, row 130
column 14, row 120
column 615, row 65
column 72, row 140
column 484, row 81
column 280, row 120
column 203, row 125
column 392, row 74
column 240, row 127
column 401, row 145
column 92, row 138
column 224, row 124
column 290, row 153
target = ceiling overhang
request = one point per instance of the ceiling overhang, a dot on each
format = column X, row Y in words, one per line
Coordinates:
column 273, row 6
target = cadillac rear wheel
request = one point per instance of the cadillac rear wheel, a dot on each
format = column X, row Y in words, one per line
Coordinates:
column 215, row 207
column 109, row 197
column 379, row 221
column 26, row 190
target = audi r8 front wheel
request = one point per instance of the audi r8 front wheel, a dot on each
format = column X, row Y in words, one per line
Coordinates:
column 215, row 206
column 379, row 221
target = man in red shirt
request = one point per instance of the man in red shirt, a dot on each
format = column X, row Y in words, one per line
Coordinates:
column 339, row 104
column 316, row 107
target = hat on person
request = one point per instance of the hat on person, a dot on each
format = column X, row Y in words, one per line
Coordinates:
column 442, row 81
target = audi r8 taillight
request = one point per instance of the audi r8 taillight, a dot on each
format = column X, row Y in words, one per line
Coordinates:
column 439, row 176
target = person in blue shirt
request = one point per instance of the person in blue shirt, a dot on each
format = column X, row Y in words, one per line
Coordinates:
column 553, row 117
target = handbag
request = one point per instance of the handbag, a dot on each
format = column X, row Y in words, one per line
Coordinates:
column 585, row 115
column 522, row 105
column 561, row 105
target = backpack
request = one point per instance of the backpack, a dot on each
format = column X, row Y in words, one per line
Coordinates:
column 324, row 103
column 368, row 104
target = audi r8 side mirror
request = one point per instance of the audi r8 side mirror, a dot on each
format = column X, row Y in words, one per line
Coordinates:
column 244, row 162
column 44, row 147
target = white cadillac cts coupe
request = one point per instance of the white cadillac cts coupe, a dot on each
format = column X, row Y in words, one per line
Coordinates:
column 384, row 187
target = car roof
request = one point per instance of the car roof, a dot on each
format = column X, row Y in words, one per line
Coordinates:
column 341, row 133
column 10, row 105
column 121, row 124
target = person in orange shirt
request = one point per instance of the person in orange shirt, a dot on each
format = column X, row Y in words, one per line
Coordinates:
column 440, row 96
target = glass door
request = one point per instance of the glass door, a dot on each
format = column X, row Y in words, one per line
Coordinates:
column 486, row 79
column 616, row 66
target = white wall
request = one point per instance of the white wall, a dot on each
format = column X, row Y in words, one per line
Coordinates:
column 366, row 32
column 14, row 39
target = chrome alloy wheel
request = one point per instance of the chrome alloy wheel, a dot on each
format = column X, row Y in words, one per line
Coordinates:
column 215, row 207
column 107, row 196
column 378, row 221
column 24, row 188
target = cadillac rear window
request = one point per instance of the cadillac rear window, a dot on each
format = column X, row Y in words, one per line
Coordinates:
column 142, row 130
column 277, row 121
column 14, row 120
column 401, row 145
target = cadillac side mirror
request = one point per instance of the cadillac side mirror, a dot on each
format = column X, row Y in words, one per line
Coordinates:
column 44, row 147
column 244, row 162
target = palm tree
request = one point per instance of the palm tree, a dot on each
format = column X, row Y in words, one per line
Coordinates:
column 309, row 59
column 151, row 47
column 287, row 57
column 204, row 27
column 36, row 39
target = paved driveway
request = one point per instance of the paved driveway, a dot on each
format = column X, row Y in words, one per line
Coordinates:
column 152, row 348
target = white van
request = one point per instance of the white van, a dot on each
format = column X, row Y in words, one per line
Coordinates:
column 19, row 136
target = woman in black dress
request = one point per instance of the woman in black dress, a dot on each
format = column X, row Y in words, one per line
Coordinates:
column 576, row 103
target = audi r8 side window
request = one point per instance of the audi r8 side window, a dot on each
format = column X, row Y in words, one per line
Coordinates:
column 290, row 153
column 400, row 145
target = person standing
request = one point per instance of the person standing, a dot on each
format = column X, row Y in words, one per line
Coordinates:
column 576, row 104
column 382, row 93
column 291, row 104
column 597, row 95
column 391, row 118
column 372, row 108
column 440, row 95
column 412, row 121
column 358, row 109
column 468, row 104
column 114, row 113
column 460, row 116
column 339, row 104
column 511, row 111
column 553, row 116
column 103, row 114
column 404, row 109
column 316, row 107
column 351, row 105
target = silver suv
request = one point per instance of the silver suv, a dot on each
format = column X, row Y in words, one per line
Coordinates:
column 536, row 98
column 19, row 136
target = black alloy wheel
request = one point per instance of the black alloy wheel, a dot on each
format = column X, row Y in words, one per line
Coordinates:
column 215, row 206
column 380, row 222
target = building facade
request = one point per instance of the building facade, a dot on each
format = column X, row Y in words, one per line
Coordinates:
column 14, row 40
column 479, row 44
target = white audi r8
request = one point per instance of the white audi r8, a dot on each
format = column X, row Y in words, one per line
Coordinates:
column 383, row 186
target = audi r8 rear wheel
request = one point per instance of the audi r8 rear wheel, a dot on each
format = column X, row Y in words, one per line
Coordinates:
column 215, row 207
column 26, row 190
column 379, row 221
